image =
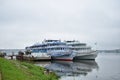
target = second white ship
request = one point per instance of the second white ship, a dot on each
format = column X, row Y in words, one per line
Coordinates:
column 83, row 52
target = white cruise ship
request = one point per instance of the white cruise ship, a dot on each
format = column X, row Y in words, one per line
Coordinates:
column 55, row 48
column 82, row 50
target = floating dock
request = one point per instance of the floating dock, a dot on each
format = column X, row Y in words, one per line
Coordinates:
column 37, row 58
column 33, row 57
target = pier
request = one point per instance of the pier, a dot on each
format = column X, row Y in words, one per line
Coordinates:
column 28, row 57
column 25, row 55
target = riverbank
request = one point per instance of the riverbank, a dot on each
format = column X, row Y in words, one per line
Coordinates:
column 0, row 76
column 16, row 70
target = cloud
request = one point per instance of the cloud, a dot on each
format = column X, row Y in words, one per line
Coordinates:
column 25, row 22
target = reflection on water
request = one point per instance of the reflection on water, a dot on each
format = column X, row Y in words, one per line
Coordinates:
column 72, row 68
column 108, row 69
column 66, row 68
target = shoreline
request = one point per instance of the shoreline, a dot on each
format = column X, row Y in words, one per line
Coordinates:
column 16, row 70
column 0, row 76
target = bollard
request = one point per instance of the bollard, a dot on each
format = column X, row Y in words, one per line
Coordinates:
column 11, row 57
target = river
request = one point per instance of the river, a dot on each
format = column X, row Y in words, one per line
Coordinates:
column 105, row 67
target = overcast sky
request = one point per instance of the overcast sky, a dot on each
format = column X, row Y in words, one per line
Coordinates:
column 25, row 22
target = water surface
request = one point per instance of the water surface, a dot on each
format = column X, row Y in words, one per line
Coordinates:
column 105, row 67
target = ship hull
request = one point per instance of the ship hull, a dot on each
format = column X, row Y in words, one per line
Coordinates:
column 88, row 56
column 62, row 58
